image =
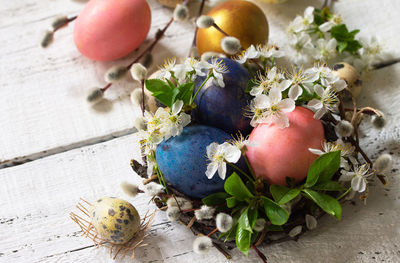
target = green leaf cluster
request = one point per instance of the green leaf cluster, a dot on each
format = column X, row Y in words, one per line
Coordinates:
column 346, row 40
column 168, row 93
column 247, row 205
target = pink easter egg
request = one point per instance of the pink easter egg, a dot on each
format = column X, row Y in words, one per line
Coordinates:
column 281, row 153
column 110, row 29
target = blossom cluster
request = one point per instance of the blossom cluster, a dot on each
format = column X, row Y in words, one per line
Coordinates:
column 160, row 126
column 319, row 35
column 191, row 68
column 276, row 94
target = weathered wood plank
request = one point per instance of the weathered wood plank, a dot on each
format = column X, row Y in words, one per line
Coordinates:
column 43, row 91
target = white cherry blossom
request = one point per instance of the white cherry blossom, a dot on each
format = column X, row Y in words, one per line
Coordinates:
column 175, row 121
column 249, row 53
column 301, row 23
column 327, row 101
column 325, row 49
column 219, row 154
column 358, row 177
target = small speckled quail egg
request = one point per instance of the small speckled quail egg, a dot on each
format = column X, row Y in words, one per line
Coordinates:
column 349, row 74
column 116, row 220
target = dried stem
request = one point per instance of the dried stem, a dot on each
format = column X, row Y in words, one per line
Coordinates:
column 195, row 31
column 385, row 63
column 220, row 29
column 260, row 254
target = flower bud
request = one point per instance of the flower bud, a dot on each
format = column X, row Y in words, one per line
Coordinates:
column 378, row 121
column 140, row 124
column 311, row 222
column 224, row 222
column 259, row 225
column 295, row 231
column 181, row 13
column 383, row 164
column 130, row 189
column 47, row 38
column 138, row 72
column 204, row 21
column 202, row 245
column 95, row 95
column 115, row 73
column 344, row 128
column 179, row 202
column 205, row 212
column 230, row 45
column 153, row 189
column 147, row 60
column 136, row 97
column 206, row 56
column 59, row 22
column 173, row 213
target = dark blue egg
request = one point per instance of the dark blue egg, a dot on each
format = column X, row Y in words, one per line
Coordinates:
column 183, row 160
column 224, row 108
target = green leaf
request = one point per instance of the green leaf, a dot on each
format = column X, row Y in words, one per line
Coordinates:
column 231, row 202
column 243, row 240
column 244, row 221
column 165, row 93
column 250, row 85
column 185, row 92
column 342, row 46
column 275, row 213
column 326, row 202
column 341, row 33
column 353, row 46
column 323, row 168
column 329, row 186
column 282, row 194
column 235, row 186
column 215, row 199
column 155, row 85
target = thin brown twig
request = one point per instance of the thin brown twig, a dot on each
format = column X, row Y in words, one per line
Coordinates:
column 260, row 254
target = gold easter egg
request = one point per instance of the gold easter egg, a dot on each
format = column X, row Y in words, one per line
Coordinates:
column 116, row 220
column 273, row 1
column 241, row 19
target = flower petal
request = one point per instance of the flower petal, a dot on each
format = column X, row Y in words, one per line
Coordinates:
column 211, row 169
column 358, row 183
column 287, row 105
column 314, row 103
column 222, row 170
column 295, row 91
column 275, row 95
column 316, row 151
column 177, row 107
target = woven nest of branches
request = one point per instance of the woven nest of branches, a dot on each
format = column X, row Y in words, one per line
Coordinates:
column 83, row 220
column 299, row 209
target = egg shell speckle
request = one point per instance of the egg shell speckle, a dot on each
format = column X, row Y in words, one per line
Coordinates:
column 224, row 108
column 183, row 161
column 116, row 220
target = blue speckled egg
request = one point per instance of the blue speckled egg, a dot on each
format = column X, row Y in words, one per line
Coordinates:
column 183, row 161
column 224, row 107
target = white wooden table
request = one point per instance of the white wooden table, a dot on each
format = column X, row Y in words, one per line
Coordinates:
column 70, row 150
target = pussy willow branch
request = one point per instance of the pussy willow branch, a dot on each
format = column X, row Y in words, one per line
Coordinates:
column 195, row 31
column 355, row 142
column 69, row 20
column 159, row 35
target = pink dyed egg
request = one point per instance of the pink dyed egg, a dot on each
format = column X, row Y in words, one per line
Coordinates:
column 110, row 29
column 282, row 153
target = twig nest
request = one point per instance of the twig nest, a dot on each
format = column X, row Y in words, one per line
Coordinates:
column 349, row 74
column 241, row 19
column 116, row 220
column 170, row 3
column 280, row 153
